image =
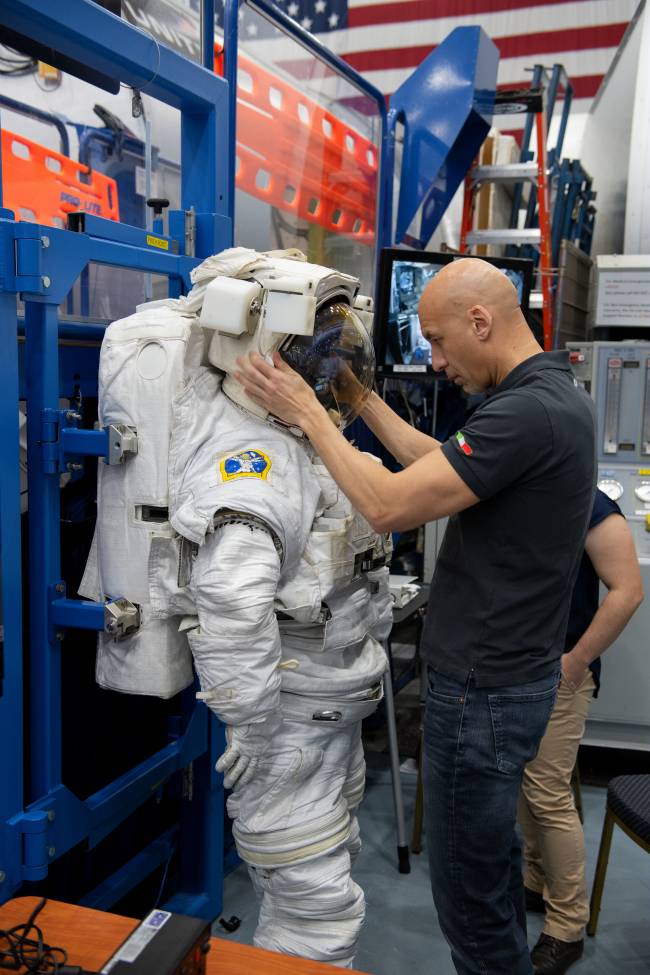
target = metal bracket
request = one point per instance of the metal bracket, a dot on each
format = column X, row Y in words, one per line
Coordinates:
column 36, row 850
column 62, row 439
column 117, row 617
column 190, row 232
column 122, row 441
column 121, row 618
column 28, row 246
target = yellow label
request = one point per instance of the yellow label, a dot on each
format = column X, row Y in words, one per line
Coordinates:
column 644, row 471
column 159, row 242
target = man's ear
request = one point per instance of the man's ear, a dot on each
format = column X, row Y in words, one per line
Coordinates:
column 481, row 321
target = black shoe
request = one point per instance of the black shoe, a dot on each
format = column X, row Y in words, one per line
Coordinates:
column 550, row 956
column 534, row 901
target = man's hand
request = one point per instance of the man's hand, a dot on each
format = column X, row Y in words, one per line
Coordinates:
column 278, row 388
column 574, row 670
column 245, row 745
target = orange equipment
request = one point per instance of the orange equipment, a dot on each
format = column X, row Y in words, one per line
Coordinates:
column 43, row 186
column 297, row 156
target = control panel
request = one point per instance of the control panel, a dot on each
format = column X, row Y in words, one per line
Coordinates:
column 617, row 375
column 629, row 486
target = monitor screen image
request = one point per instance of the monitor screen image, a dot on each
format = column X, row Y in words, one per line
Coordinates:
column 400, row 346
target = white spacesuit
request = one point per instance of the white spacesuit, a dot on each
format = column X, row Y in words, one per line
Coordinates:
column 243, row 555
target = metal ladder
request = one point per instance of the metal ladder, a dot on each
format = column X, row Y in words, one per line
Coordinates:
column 537, row 229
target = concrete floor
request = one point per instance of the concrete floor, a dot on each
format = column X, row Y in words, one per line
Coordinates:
column 401, row 934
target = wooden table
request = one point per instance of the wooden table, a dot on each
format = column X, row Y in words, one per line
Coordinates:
column 90, row 938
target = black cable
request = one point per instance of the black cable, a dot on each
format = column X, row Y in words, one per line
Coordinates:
column 20, row 65
column 17, row 72
column 18, row 950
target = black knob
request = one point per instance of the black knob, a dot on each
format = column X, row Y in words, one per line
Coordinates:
column 157, row 204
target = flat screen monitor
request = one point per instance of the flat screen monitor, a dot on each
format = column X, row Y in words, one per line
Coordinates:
column 400, row 347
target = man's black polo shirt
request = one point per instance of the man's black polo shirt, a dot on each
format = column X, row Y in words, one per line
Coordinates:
column 500, row 595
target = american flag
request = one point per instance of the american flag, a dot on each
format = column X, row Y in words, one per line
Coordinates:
column 316, row 16
column 385, row 41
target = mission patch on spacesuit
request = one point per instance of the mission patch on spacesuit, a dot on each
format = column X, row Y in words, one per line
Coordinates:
column 247, row 463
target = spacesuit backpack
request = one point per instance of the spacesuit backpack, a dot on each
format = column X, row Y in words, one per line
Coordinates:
column 136, row 556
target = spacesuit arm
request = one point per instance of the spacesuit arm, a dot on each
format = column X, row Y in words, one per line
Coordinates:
column 236, row 646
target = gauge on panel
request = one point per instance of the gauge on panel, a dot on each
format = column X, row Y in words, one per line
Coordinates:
column 613, row 489
column 643, row 492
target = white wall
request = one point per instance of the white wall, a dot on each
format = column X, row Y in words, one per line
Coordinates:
column 605, row 151
column 637, row 212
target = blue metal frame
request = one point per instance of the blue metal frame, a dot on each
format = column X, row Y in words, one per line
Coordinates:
column 41, row 264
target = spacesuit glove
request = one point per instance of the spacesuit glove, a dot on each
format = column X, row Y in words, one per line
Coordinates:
column 245, row 745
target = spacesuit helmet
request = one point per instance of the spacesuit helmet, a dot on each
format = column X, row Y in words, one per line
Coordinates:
column 312, row 315
column 337, row 361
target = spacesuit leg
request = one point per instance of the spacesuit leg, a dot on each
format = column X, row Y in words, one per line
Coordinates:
column 353, row 791
column 292, row 826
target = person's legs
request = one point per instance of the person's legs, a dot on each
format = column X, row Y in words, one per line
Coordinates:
column 534, row 872
column 477, row 742
column 516, row 886
column 551, row 812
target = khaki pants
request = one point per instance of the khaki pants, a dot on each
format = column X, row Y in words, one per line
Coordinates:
column 554, row 847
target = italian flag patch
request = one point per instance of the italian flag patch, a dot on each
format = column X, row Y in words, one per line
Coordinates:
column 462, row 443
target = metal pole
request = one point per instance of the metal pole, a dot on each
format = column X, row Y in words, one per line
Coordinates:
column 403, row 862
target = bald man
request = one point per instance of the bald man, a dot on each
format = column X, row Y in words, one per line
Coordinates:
column 517, row 482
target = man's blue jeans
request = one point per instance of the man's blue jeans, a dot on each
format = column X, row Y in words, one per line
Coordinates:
column 477, row 741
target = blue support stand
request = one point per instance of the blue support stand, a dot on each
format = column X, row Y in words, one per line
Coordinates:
column 41, row 264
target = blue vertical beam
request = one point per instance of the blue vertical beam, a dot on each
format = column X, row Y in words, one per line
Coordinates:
column 11, row 682
column 42, row 378
column 386, row 184
column 230, row 51
column 204, row 146
column 207, row 146
column 207, row 34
